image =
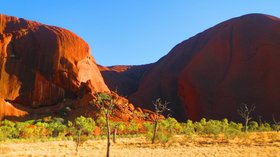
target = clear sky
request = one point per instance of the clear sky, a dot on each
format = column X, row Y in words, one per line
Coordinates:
column 132, row 32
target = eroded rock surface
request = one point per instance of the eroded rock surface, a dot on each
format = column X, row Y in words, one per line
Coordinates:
column 41, row 65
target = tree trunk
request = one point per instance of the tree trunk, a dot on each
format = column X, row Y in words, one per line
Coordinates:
column 155, row 129
column 115, row 134
column 108, row 134
column 78, row 142
column 246, row 124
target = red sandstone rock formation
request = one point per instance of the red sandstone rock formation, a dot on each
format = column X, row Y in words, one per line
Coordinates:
column 41, row 65
column 212, row 73
column 123, row 79
column 46, row 69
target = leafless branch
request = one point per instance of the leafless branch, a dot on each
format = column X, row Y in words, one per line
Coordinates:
column 245, row 112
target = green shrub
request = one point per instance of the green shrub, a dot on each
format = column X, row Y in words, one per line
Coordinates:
column 253, row 126
column 56, row 127
column 133, row 127
column 213, row 127
column 8, row 130
column 3, row 135
column 163, row 137
column 276, row 127
column 233, row 130
column 225, row 124
column 101, row 121
column 188, row 128
column 148, row 126
column 25, row 130
column 265, row 127
column 173, row 126
column 120, row 126
column 198, row 127
column 86, row 125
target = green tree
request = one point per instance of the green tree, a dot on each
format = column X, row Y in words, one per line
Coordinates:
column 107, row 104
column 83, row 129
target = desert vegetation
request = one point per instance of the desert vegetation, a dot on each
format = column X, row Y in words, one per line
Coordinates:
column 86, row 134
column 84, row 129
column 157, row 132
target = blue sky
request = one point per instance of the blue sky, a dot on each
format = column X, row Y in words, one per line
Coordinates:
column 132, row 32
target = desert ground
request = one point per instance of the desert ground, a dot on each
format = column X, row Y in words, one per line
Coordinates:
column 249, row 145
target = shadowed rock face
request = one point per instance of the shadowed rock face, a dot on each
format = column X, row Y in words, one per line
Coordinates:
column 123, row 79
column 40, row 65
column 212, row 73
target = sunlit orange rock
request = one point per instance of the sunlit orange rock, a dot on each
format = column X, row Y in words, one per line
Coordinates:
column 7, row 109
column 211, row 74
column 41, row 65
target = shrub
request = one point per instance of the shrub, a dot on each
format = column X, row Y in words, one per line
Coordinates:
column 101, row 122
column 172, row 126
column 120, row 126
column 133, row 127
column 86, row 125
column 8, row 130
column 265, row 127
column 233, row 129
column 253, row 126
column 188, row 128
column 213, row 127
column 148, row 126
column 24, row 129
column 276, row 127
column 161, row 136
column 225, row 124
column 56, row 127
column 198, row 127
column 3, row 136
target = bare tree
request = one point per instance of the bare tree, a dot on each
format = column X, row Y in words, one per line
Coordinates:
column 107, row 104
column 245, row 111
column 78, row 140
column 115, row 132
column 276, row 124
column 160, row 107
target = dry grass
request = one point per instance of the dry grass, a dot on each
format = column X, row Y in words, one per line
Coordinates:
column 248, row 145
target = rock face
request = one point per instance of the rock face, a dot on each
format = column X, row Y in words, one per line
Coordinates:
column 124, row 79
column 212, row 73
column 41, row 65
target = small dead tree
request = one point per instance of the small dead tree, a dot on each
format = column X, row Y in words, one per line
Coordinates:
column 245, row 111
column 276, row 124
column 115, row 133
column 78, row 139
column 160, row 107
column 107, row 104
